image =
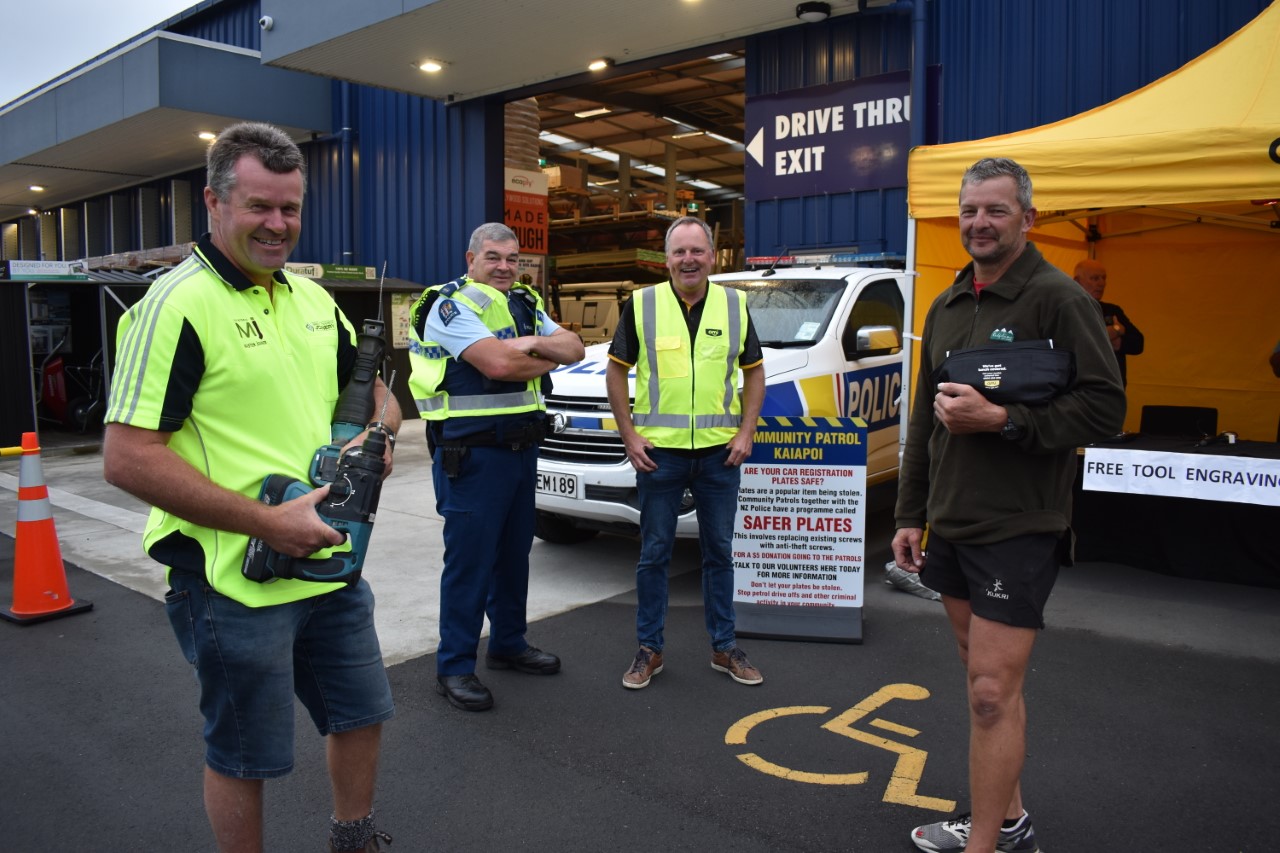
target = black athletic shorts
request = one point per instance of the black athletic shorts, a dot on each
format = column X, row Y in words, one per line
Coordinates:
column 1007, row 581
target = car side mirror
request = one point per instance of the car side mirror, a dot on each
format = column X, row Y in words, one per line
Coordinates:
column 876, row 340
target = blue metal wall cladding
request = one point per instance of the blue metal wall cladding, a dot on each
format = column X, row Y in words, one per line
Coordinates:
column 233, row 22
column 1013, row 64
column 1007, row 65
column 844, row 48
column 421, row 183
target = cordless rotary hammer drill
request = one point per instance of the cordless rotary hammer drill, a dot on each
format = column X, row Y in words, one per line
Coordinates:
column 354, row 478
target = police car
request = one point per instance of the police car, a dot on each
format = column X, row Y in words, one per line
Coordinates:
column 832, row 339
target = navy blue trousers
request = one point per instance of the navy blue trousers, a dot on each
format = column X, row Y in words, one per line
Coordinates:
column 488, row 515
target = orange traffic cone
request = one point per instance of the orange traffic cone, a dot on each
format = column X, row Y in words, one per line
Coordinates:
column 39, row 578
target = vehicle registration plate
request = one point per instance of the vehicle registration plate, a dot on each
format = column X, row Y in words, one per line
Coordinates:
column 560, row 485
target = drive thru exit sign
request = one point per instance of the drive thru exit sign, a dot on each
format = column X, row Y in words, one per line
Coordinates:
column 840, row 137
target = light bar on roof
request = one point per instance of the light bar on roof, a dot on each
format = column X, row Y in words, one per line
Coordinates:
column 827, row 259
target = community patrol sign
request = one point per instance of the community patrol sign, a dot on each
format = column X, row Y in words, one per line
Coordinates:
column 828, row 139
column 798, row 535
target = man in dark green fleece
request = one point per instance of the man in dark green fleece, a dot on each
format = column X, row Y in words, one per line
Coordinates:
column 993, row 484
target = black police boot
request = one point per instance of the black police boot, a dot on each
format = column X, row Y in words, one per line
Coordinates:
column 465, row 692
column 531, row 660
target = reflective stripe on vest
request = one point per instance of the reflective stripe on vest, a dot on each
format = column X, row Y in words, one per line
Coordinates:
column 521, row 401
column 663, row 401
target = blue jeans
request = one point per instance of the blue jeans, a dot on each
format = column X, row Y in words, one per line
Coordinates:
column 252, row 661
column 715, row 491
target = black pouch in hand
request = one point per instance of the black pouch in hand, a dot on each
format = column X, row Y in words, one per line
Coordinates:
column 1028, row 372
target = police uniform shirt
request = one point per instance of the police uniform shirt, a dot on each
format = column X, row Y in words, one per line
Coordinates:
column 455, row 326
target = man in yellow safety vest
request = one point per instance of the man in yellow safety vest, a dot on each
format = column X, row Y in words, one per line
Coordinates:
column 690, row 429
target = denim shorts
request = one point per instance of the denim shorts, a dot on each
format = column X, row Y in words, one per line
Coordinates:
column 1007, row 581
column 251, row 661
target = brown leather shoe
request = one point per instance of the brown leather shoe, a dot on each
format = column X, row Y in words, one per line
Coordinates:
column 734, row 661
column 647, row 664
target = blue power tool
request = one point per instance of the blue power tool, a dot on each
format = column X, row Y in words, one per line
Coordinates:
column 349, row 508
column 354, row 478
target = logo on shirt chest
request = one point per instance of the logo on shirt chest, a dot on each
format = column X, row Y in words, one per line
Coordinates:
column 250, row 333
column 1005, row 335
column 714, row 333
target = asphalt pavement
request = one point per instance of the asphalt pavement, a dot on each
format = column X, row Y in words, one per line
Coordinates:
column 1151, row 704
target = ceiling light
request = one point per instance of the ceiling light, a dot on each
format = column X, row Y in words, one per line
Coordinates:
column 811, row 13
column 598, row 111
column 726, row 140
column 207, row 136
column 600, row 64
column 688, row 133
column 431, row 66
column 32, row 211
column 36, row 188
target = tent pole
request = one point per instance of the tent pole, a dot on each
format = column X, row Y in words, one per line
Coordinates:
column 909, row 336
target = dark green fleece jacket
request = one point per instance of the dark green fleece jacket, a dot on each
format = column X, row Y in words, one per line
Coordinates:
column 982, row 488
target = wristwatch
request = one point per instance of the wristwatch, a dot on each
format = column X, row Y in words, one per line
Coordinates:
column 1011, row 431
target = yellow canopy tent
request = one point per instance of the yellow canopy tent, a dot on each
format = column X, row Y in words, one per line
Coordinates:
column 1174, row 188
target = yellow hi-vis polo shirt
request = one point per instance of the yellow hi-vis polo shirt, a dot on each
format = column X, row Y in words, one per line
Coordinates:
column 246, row 383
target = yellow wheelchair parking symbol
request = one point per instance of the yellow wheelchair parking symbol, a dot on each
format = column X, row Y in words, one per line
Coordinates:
column 903, row 782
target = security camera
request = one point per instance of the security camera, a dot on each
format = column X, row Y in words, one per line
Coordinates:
column 266, row 22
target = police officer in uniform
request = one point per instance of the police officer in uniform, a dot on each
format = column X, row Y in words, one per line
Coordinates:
column 480, row 348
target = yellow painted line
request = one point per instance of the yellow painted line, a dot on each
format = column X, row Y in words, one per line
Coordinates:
column 737, row 733
column 757, row 763
column 904, row 781
column 906, row 731
column 875, row 700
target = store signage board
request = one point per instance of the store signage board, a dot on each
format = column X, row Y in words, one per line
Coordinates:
column 835, row 138
column 401, row 318
column 798, row 541
column 30, row 271
column 336, row 272
column 525, row 210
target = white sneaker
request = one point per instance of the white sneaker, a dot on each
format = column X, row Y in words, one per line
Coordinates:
column 951, row 836
column 907, row 582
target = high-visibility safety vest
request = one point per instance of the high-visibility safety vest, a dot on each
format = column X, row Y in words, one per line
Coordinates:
column 446, row 387
column 687, row 390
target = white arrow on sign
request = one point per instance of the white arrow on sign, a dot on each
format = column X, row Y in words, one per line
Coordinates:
column 756, row 148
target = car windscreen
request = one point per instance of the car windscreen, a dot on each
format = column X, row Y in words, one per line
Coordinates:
column 790, row 312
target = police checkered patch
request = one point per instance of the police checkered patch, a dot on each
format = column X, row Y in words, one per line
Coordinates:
column 447, row 311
